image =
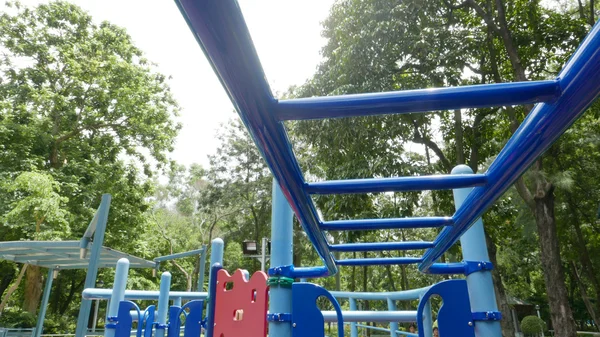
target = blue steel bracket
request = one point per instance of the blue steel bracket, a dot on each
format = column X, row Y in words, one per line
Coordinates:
column 279, row 317
column 487, row 316
column 454, row 317
column 302, row 272
column 111, row 325
column 475, row 266
column 307, row 318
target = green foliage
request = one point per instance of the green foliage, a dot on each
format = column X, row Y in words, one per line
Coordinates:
column 13, row 317
column 532, row 325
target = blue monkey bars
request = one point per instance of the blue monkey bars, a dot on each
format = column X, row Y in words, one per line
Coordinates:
column 221, row 32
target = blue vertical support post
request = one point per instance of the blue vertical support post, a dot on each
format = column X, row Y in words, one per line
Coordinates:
column 427, row 320
column 479, row 283
column 118, row 295
column 45, row 297
column 393, row 325
column 177, row 301
column 97, row 227
column 216, row 256
column 163, row 304
column 353, row 327
column 202, row 269
column 282, row 245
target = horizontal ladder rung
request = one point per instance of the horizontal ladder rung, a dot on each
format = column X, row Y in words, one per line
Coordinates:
column 379, row 261
column 399, row 184
column 380, row 246
column 392, row 223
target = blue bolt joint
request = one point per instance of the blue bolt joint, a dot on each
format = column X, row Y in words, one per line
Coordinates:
column 475, row 266
column 162, row 326
column 283, row 317
column 487, row 316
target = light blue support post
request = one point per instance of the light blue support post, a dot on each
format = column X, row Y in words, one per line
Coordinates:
column 202, row 269
column 479, row 283
column 353, row 327
column 118, row 293
column 177, row 301
column 216, row 256
column 163, row 304
column 97, row 227
column 427, row 320
column 45, row 297
column 393, row 325
column 282, row 245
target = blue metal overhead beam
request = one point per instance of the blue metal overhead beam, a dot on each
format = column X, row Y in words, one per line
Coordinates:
column 398, row 184
column 179, row 255
column 422, row 100
column 387, row 223
column 222, row 34
column 380, row 246
column 540, row 129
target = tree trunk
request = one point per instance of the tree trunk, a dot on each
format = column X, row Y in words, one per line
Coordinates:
column 560, row 311
column 586, row 261
column 584, row 295
column 507, row 323
column 33, row 289
column 12, row 289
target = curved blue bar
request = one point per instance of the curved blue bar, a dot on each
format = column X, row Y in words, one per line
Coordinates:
column 222, row 33
column 379, row 261
column 542, row 127
column 398, row 184
column 392, row 223
column 380, row 246
column 422, row 100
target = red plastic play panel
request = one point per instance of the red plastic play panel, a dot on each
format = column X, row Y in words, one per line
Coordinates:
column 242, row 310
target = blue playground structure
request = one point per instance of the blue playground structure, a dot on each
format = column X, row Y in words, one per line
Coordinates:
column 469, row 304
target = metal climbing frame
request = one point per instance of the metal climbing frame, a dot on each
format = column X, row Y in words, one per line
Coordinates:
column 222, row 33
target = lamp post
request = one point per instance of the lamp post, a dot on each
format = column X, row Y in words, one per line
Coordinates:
column 537, row 308
column 99, row 284
column 250, row 249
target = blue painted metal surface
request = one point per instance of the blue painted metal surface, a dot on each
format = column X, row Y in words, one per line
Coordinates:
column 380, row 246
column 148, row 320
column 282, row 244
column 393, row 325
column 216, row 256
column 479, row 284
column 174, row 325
column 307, row 318
column 193, row 321
column 423, row 100
column 179, row 255
column 124, row 320
column 415, row 183
column 390, row 223
column 202, row 269
column 221, row 31
column 163, row 304
column 98, row 228
column 39, row 326
column 383, row 261
column 353, row 326
column 104, row 294
column 212, row 285
column 454, row 314
column 118, row 294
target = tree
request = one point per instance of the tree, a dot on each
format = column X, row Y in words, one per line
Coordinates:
column 75, row 99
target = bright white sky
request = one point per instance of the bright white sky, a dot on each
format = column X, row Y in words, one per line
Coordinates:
column 286, row 34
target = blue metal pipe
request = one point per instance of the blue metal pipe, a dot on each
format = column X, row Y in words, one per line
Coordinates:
column 216, row 257
column 222, row 34
column 447, row 268
column 379, row 261
column 105, row 294
column 397, row 184
column 98, row 225
column 540, row 129
column 353, row 325
column 380, row 246
column 179, row 255
column 118, row 293
column 427, row 320
column 392, row 223
column 405, row 295
column 202, row 269
column 480, row 284
column 39, row 326
column 163, row 304
column 393, row 325
column 372, row 316
column 282, row 245
column 422, row 100
column 301, row 272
